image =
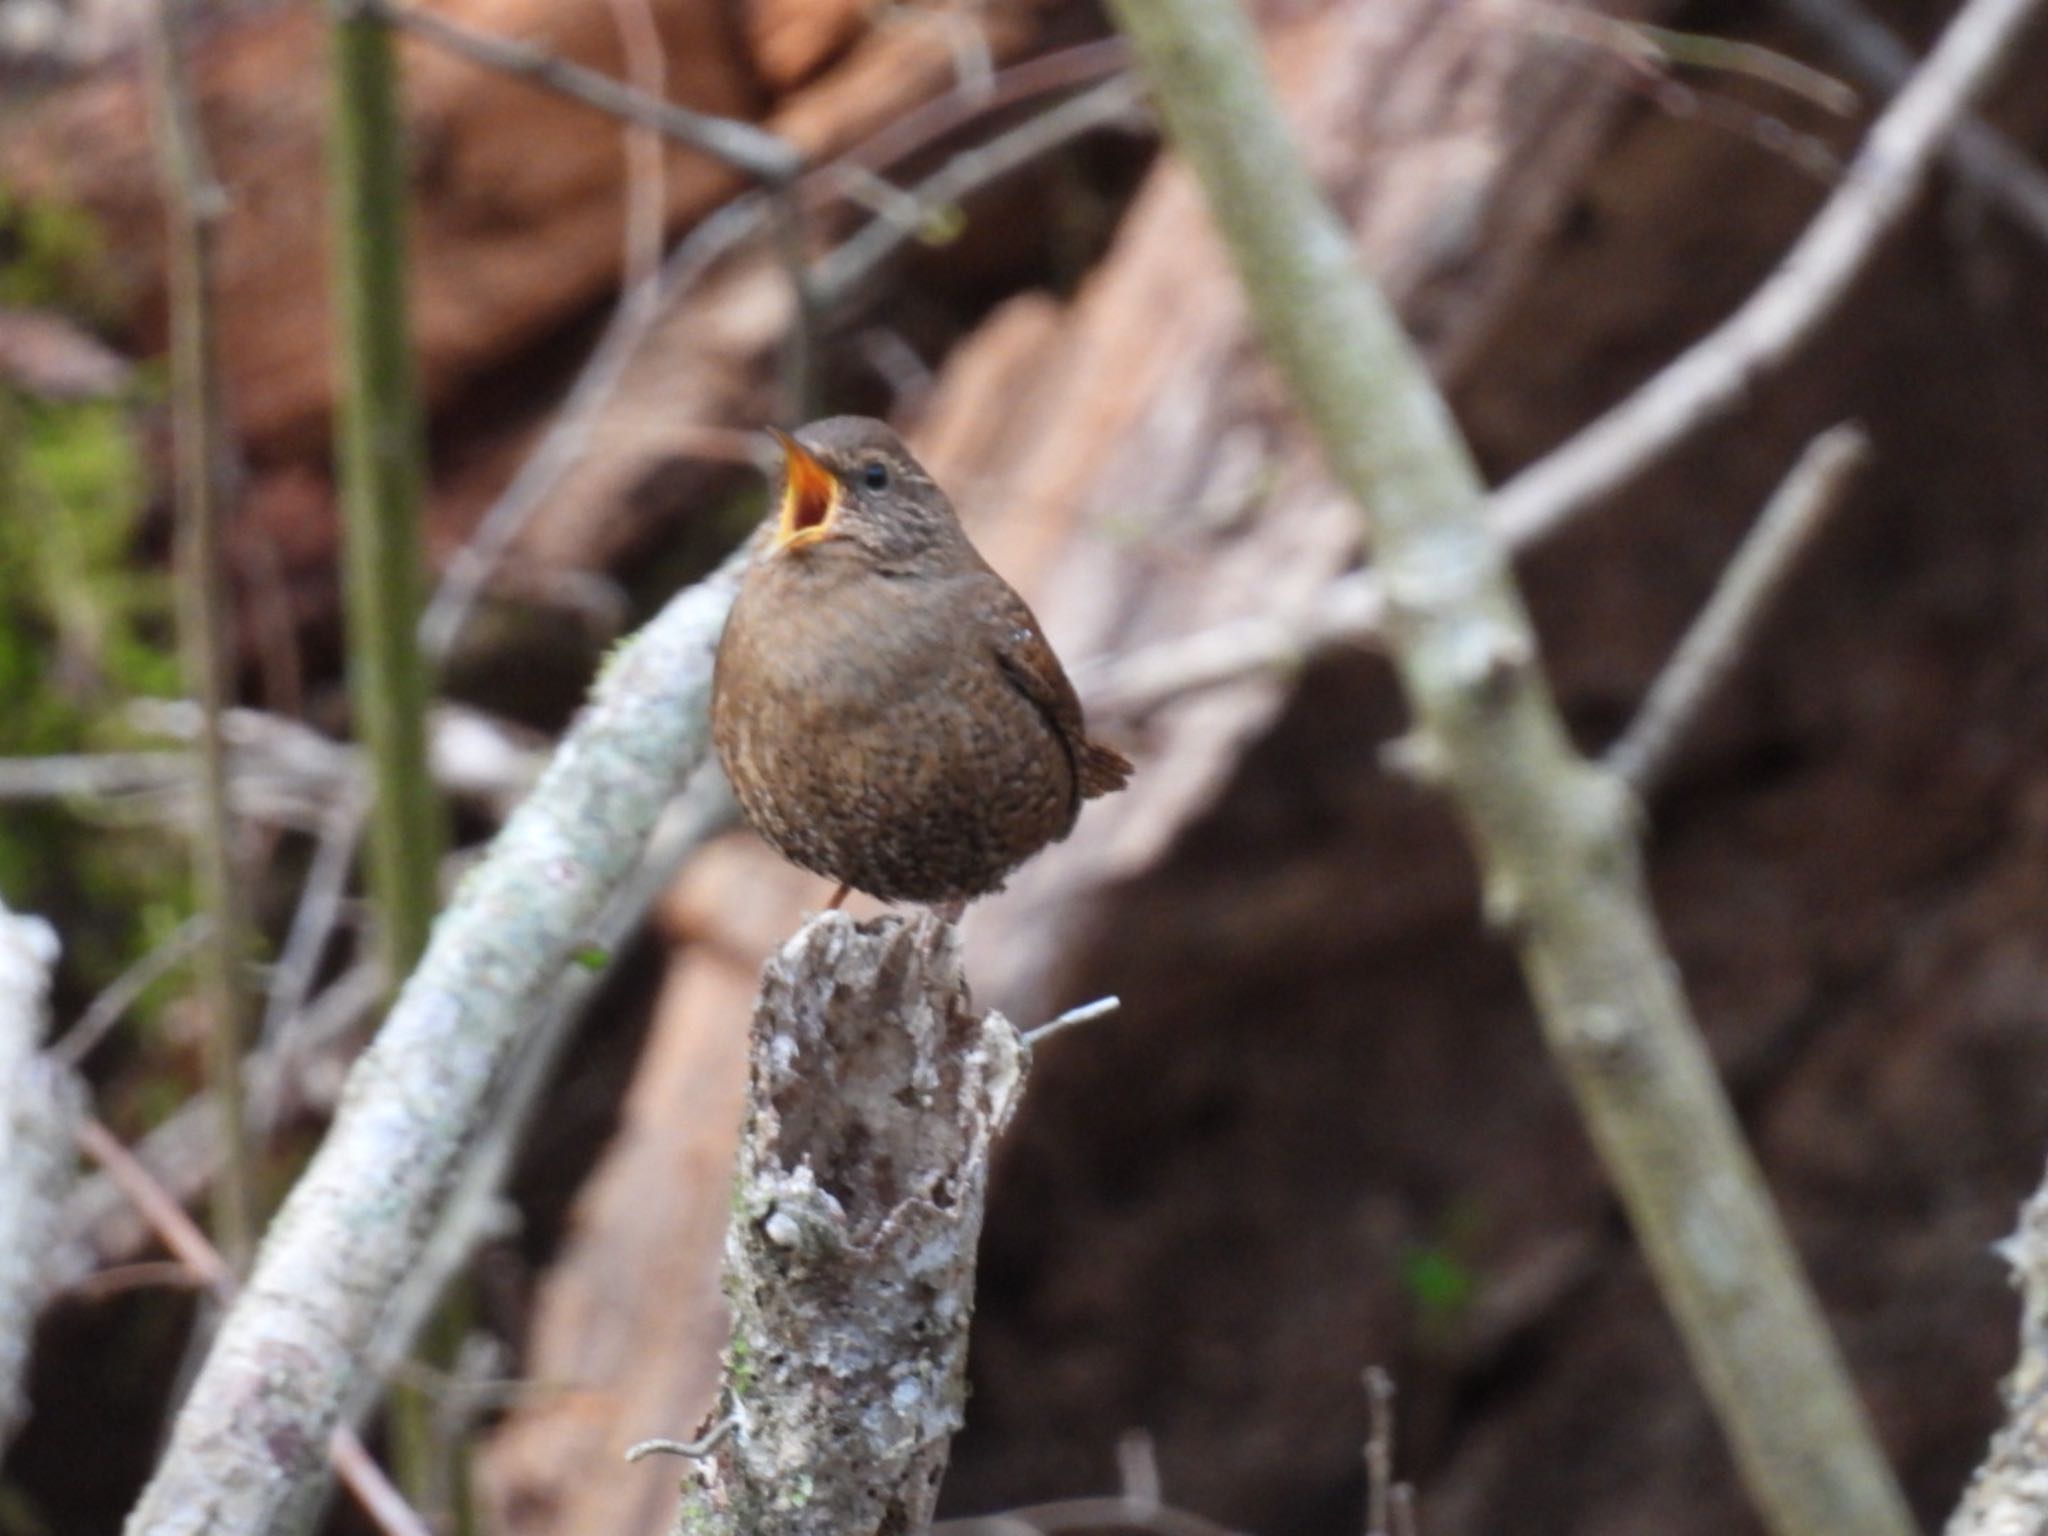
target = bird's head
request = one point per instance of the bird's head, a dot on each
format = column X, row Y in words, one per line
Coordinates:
column 850, row 480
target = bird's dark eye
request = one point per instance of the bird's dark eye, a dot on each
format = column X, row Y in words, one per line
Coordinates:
column 875, row 475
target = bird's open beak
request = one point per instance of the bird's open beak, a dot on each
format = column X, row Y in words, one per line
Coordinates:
column 810, row 497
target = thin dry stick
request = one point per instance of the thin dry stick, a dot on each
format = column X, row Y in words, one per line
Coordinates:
column 1709, row 379
column 568, row 436
column 1554, row 834
column 119, row 995
column 1982, row 156
column 1748, row 589
column 1379, row 1452
column 1720, row 373
column 194, row 203
column 770, row 160
column 321, row 900
column 837, row 275
column 357, row 1469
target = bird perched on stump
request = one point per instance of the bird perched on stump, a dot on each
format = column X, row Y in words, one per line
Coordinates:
column 884, row 704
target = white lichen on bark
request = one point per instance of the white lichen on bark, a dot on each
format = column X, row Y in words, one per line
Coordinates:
column 40, row 1103
column 877, row 1095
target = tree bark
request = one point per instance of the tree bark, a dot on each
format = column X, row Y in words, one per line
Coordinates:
column 40, row 1106
column 877, row 1096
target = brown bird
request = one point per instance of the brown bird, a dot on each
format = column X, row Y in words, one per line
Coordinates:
column 884, row 704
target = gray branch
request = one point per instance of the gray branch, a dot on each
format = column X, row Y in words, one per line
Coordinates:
column 877, row 1096
column 41, row 1103
column 1748, row 589
column 1554, row 834
column 247, row 1451
column 1982, row 156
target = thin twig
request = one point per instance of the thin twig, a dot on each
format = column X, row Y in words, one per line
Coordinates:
column 318, row 914
column 1796, row 512
column 927, row 123
column 119, row 995
column 1379, row 1451
column 194, row 204
column 767, row 158
column 837, row 275
column 1982, row 156
column 568, row 436
column 198, row 1257
column 1722, row 371
column 807, row 306
column 1100, row 1008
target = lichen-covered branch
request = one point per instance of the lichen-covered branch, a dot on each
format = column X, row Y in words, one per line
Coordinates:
column 41, row 1102
column 877, row 1096
column 2008, row 1496
column 1555, row 834
column 311, row 1327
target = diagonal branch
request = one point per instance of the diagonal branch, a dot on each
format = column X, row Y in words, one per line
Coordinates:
column 1982, row 156
column 1719, row 373
column 1796, row 512
column 768, row 158
column 1554, row 834
column 312, row 1323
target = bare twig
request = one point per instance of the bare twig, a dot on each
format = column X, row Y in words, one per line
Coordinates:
column 40, row 1102
column 194, row 203
column 1709, row 379
column 1719, row 373
column 189, row 1246
column 1796, row 512
column 317, row 916
column 1985, row 158
column 767, row 158
column 927, row 123
column 1379, row 1452
column 837, row 275
column 1554, row 835
column 302, row 1067
column 568, row 436
column 114, row 1001
column 646, row 221
column 567, row 439
column 1102, row 1007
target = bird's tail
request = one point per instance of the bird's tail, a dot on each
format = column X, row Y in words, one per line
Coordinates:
column 1100, row 770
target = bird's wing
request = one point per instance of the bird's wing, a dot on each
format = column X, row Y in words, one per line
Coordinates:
column 1027, row 660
